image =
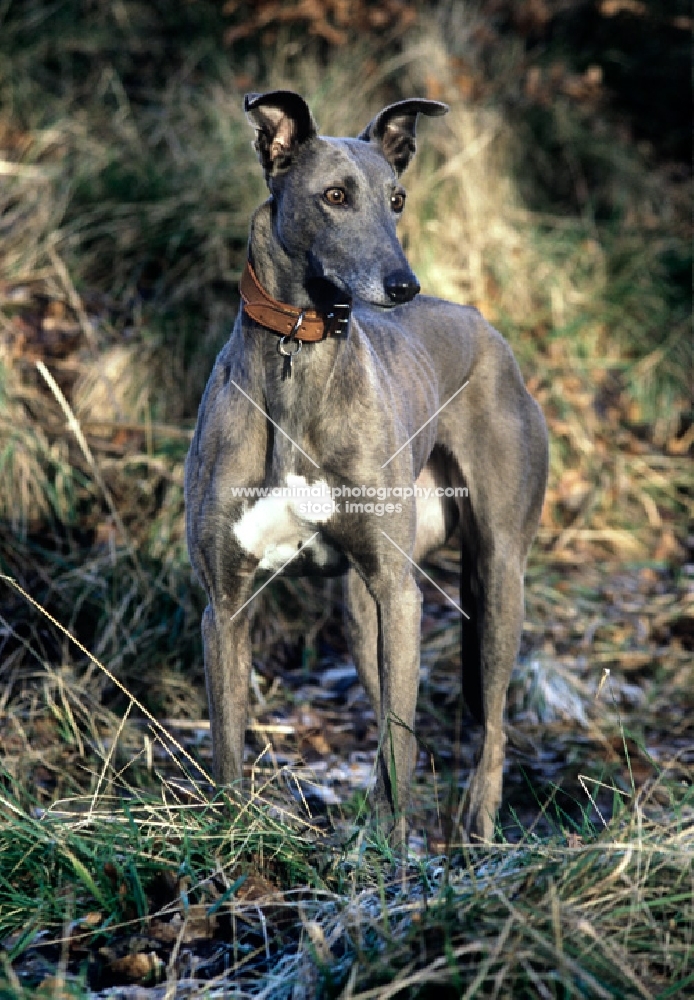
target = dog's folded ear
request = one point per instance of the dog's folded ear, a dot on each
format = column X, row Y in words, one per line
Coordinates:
column 282, row 121
column 394, row 129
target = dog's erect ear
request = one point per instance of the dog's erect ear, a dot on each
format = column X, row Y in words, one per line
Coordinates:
column 394, row 129
column 282, row 121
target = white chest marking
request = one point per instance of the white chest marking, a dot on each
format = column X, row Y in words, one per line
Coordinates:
column 276, row 526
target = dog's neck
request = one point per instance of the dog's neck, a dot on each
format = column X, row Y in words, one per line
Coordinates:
column 294, row 403
column 276, row 271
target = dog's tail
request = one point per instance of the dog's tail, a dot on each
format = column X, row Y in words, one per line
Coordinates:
column 471, row 601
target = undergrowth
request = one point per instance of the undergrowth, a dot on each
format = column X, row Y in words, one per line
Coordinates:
column 236, row 897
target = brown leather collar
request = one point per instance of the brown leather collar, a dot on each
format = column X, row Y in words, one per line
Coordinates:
column 286, row 320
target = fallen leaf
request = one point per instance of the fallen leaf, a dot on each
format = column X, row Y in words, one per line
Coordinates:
column 139, row 967
column 53, row 987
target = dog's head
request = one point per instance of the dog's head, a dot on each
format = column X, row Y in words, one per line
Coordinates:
column 336, row 201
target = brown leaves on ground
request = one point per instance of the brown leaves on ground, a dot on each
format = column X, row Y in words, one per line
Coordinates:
column 177, row 938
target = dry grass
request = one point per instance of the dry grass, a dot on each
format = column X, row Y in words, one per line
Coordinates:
column 139, row 350
column 238, row 896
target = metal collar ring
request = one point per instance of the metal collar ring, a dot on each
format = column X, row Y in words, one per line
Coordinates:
column 285, row 340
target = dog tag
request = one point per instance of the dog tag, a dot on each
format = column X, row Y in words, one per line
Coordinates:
column 288, row 355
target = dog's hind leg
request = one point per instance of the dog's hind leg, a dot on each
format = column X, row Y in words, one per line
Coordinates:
column 505, row 470
column 499, row 609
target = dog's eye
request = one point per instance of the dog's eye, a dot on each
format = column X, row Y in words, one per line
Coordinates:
column 397, row 201
column 335, row 196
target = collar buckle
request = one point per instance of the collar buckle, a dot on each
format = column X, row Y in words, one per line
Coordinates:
column 340, row 315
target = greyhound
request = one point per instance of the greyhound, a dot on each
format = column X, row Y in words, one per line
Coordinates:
column 340, row 379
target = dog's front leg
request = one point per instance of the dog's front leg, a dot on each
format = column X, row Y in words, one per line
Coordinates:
column 399, row 612
column 361, row 626
column 227, row 647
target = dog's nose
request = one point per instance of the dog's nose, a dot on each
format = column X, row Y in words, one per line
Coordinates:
column 401, row 286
